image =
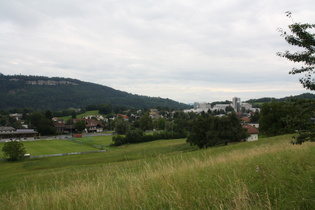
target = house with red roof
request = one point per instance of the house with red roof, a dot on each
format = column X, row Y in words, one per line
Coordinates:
column 125, row 117
column 246, row 119
column 252, row 131
column 92, row 126
column 60, row 127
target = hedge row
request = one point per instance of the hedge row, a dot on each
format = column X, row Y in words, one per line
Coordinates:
column 138, row 136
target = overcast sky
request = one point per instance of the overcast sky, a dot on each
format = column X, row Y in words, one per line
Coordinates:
column 185, row 50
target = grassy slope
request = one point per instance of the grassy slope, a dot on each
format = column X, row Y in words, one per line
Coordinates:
column 268, row 174
column 80, row 116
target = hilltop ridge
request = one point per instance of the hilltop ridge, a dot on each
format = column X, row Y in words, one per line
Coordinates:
column 56, row 93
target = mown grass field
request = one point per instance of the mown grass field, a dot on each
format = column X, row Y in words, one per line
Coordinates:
column 167, row 174
column 48, row 147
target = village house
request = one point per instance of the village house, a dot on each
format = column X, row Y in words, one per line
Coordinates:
column 252, row 131
column 245, row 119
column 60, row 127
column 125, row 117
column 6, row 129
column 56, row 119
column 154, row 114
column 16, row 116
column 17, row 134
column 69, row 128
column 92, row 126
column 97, row 117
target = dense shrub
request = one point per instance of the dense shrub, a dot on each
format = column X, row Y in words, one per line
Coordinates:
column 209, row 131
column 134, row 136
column 13, row 150
column 137, row 136
column 118, row 140
column 277, row 118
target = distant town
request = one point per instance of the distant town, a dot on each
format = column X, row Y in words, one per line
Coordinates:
column 236, row 105
column 23, row 126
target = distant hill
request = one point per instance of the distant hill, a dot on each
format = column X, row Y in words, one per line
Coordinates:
column 44, row 93
column 268, row 99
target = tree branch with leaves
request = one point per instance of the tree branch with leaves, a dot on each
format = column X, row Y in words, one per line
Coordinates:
column 301, row 36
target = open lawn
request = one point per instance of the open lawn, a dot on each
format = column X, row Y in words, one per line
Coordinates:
column 103, row 141
column 167, row 174
column 48, row 147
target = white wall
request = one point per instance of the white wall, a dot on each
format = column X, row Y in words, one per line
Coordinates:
column 252, row 137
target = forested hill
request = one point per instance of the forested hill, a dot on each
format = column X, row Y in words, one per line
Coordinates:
column 56, row 93
column 269, row 99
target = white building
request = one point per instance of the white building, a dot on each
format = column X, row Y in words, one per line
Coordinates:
column 247, row 106
column 252, row 131
column 220, row 106
column 205, row 106
column 236, row 104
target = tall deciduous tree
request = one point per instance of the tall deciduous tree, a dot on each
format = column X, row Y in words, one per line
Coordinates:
column 146, row 122
column 121, row 126
column 308, row 132
column 277, row 118
column 42, row 124
column 80, row 125
column 301, row 36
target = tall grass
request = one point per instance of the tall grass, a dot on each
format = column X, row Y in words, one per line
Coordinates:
column 264, row 175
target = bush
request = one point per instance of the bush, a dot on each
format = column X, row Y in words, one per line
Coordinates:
column 13, row 150
column 137, row 136
column 119, row 140
column 208, row 131
column 134, row 136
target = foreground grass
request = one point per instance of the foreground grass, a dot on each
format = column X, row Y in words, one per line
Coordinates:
column 268, row 174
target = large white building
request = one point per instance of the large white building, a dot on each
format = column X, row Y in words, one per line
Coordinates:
column 200, row 107
column 247, row 106
column 220, row 106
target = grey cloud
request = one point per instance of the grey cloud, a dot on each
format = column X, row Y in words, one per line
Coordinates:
column 170, row 47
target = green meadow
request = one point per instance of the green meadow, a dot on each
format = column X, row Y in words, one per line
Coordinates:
column 48, row 147
column 167, row 174
column 80, row 116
